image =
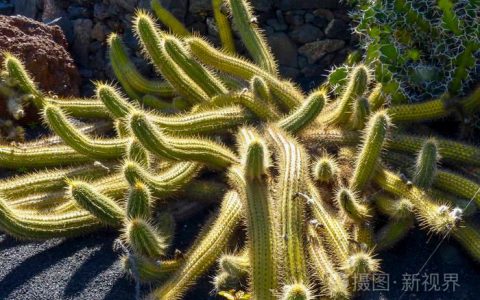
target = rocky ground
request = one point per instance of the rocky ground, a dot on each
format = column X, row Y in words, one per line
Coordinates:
column 308, row 37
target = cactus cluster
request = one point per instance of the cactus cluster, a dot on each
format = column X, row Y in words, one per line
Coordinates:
column 305, row 184
column 421, row 49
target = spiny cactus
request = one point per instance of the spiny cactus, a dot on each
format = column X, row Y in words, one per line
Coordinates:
column 308, row 199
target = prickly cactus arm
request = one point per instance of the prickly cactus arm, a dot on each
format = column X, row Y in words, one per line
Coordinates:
column 434, row 109
column 206, row 249
column 144, row 239
column 468, row 236
column 392, row 232
column 127, row 73
column 251, row 36
column 81, row 108
column 260, row 89
column 351, row 206
column 179, row 148
column 437, row 218
column 154, row 48
column 101, row 206
column 138, row 201
column 252, row 182
column 205, row 79
column 168, row 19
column 377, row 98
column 287, row 94
column 138, row 154
column 149, row 270
column 112, row 99
column 305, row 114
column 357, row 85
column 361, row 112
column 260, row 109
column 458, row 185
column 165, row 183
column 375, row 135
column 333, row 283
column 103, row 149
column 14, row 157
column 426, row 164
column 17, row 72
column 39, row 227
column 223, row 25
column 292, row 167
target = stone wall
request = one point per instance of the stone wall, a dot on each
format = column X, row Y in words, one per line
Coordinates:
column 308, row 37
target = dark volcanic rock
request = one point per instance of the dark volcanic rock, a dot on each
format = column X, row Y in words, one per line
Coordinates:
column 43, row 49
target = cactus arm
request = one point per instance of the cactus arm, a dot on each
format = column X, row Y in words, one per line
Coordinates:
column 358, row 81
column 392, row 232
column 205, row 79
column 377, row 98
column 206, row 249
column 260, row 89
column 115, row 103
column 246, row 99
column 39, row 227
column 143, row 238
column 150, row 270
column 333, row 283
column 16, row 71
column 325, row 169
column 433, row 109
column 154, row 48
column 223, row 25
column 367, row 158
column 80, row 108
column 251, row 36
column 99, row 205
column 14, row 157
column 351, row 207
column 138, row 201
column 292, row 167
column 47, row 180
column 457, row 185
column 179, row 148
column 287, row 94
column 426, row 164
column 166, row 183
column 127, row 73
column 361, row 112
column 305, row 114
column 468, row 236
column 251, row 180
column 168, row 19
column 138, row 154
column 74, row 138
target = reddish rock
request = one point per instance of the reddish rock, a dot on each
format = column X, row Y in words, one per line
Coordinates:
column 43, row 49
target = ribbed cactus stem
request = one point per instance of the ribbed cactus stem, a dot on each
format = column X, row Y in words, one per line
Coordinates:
column 165, row 183
column 223, row 26
column 143, row 238
column 73, row 137
column 127, row 73
column 251, row 36
column 260, row 109
column 252, row 182
column 361, row 112
column 392, row 232
column 205, row 79
column 154, row 47
column 138, row 201
column 99, row 205
column 205, row 251
column 351, row 206
column 39, row 227
column 468, row 236
column 296, row 292
column 377, row 98
column 375, row 135
column 189, row 149
column 116, row 104
column 149, row 270
column 81, row 108
column 138, row 154
column 260, row 89
column 426, row 164
column 287, row 94
column 292, row 166
column 358, row 81
column 16, row 71
column 305, row 114
column 168, row 19
column 458, row 185
column 333, row 283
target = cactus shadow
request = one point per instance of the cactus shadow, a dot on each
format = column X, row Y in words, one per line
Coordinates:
column 97, row 262
column 36, row 264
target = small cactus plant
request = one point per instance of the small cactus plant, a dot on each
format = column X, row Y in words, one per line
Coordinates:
column 225, row 130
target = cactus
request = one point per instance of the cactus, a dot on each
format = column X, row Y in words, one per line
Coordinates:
column 309, row 201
